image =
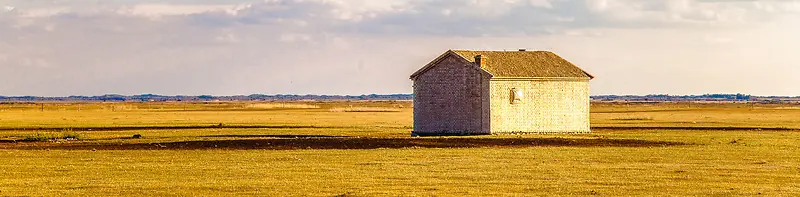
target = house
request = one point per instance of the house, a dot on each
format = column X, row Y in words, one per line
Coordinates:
column 489, row 92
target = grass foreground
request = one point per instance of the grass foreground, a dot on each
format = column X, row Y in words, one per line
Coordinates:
column 641, row 149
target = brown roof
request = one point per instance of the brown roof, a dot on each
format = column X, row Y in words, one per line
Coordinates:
column 539, row 64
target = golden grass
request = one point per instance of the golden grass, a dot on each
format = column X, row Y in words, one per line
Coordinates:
column 720, row 169
column 281, row 106
column 364, row 109
column 719, row 163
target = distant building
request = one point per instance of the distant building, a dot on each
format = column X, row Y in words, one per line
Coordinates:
column 486, row 92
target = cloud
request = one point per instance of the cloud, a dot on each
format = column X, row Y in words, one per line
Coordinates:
column 446, row 17
column 355, row 46
column 160, row 10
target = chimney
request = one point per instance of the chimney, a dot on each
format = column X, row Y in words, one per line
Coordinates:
column 522, row 50
column 480, row 60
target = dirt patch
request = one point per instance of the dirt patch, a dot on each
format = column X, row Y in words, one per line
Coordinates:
column 352, row 143
column 129, row 128
column 275, row 136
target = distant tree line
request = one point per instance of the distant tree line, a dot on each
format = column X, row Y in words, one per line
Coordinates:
column 295, row 97
column 201, row 98
column 704, row 97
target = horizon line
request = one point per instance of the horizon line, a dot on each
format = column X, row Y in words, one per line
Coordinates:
column 375, row 94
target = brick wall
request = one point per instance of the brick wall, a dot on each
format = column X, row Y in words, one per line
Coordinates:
column 451, row 97
column 548, row 106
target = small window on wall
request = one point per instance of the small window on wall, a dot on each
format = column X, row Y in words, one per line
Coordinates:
column 516, row 96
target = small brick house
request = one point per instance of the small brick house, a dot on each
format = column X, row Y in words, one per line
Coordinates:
column 488, row 92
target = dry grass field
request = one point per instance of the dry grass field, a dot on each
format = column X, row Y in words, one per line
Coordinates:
column 364, row 149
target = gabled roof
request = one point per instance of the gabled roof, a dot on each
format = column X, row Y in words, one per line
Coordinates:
column 525, row 64
column 518, row 64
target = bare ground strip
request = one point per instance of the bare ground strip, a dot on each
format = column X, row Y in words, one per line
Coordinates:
column 220, row 126
column 346, row 143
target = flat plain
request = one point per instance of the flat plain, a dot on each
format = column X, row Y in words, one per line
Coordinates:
column 364, row 149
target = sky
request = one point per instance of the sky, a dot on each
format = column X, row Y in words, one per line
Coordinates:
column 353, row 47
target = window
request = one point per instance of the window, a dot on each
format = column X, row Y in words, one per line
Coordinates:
column 516, row 95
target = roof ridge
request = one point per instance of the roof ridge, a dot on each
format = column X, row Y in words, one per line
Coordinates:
column 457, row 50
column 524, row 63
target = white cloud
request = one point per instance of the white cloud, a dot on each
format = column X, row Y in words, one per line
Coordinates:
column 295, row 37
column 598, row 5
column 541, row 3
column 160, row 10
column 44, row 12
column 447, row 12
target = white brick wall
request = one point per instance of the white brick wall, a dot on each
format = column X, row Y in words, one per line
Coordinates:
column 547, row 106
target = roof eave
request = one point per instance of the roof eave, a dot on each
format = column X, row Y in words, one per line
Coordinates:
column 431, row 64
column 442, row 57
column 588, row 75
column 541, row 78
